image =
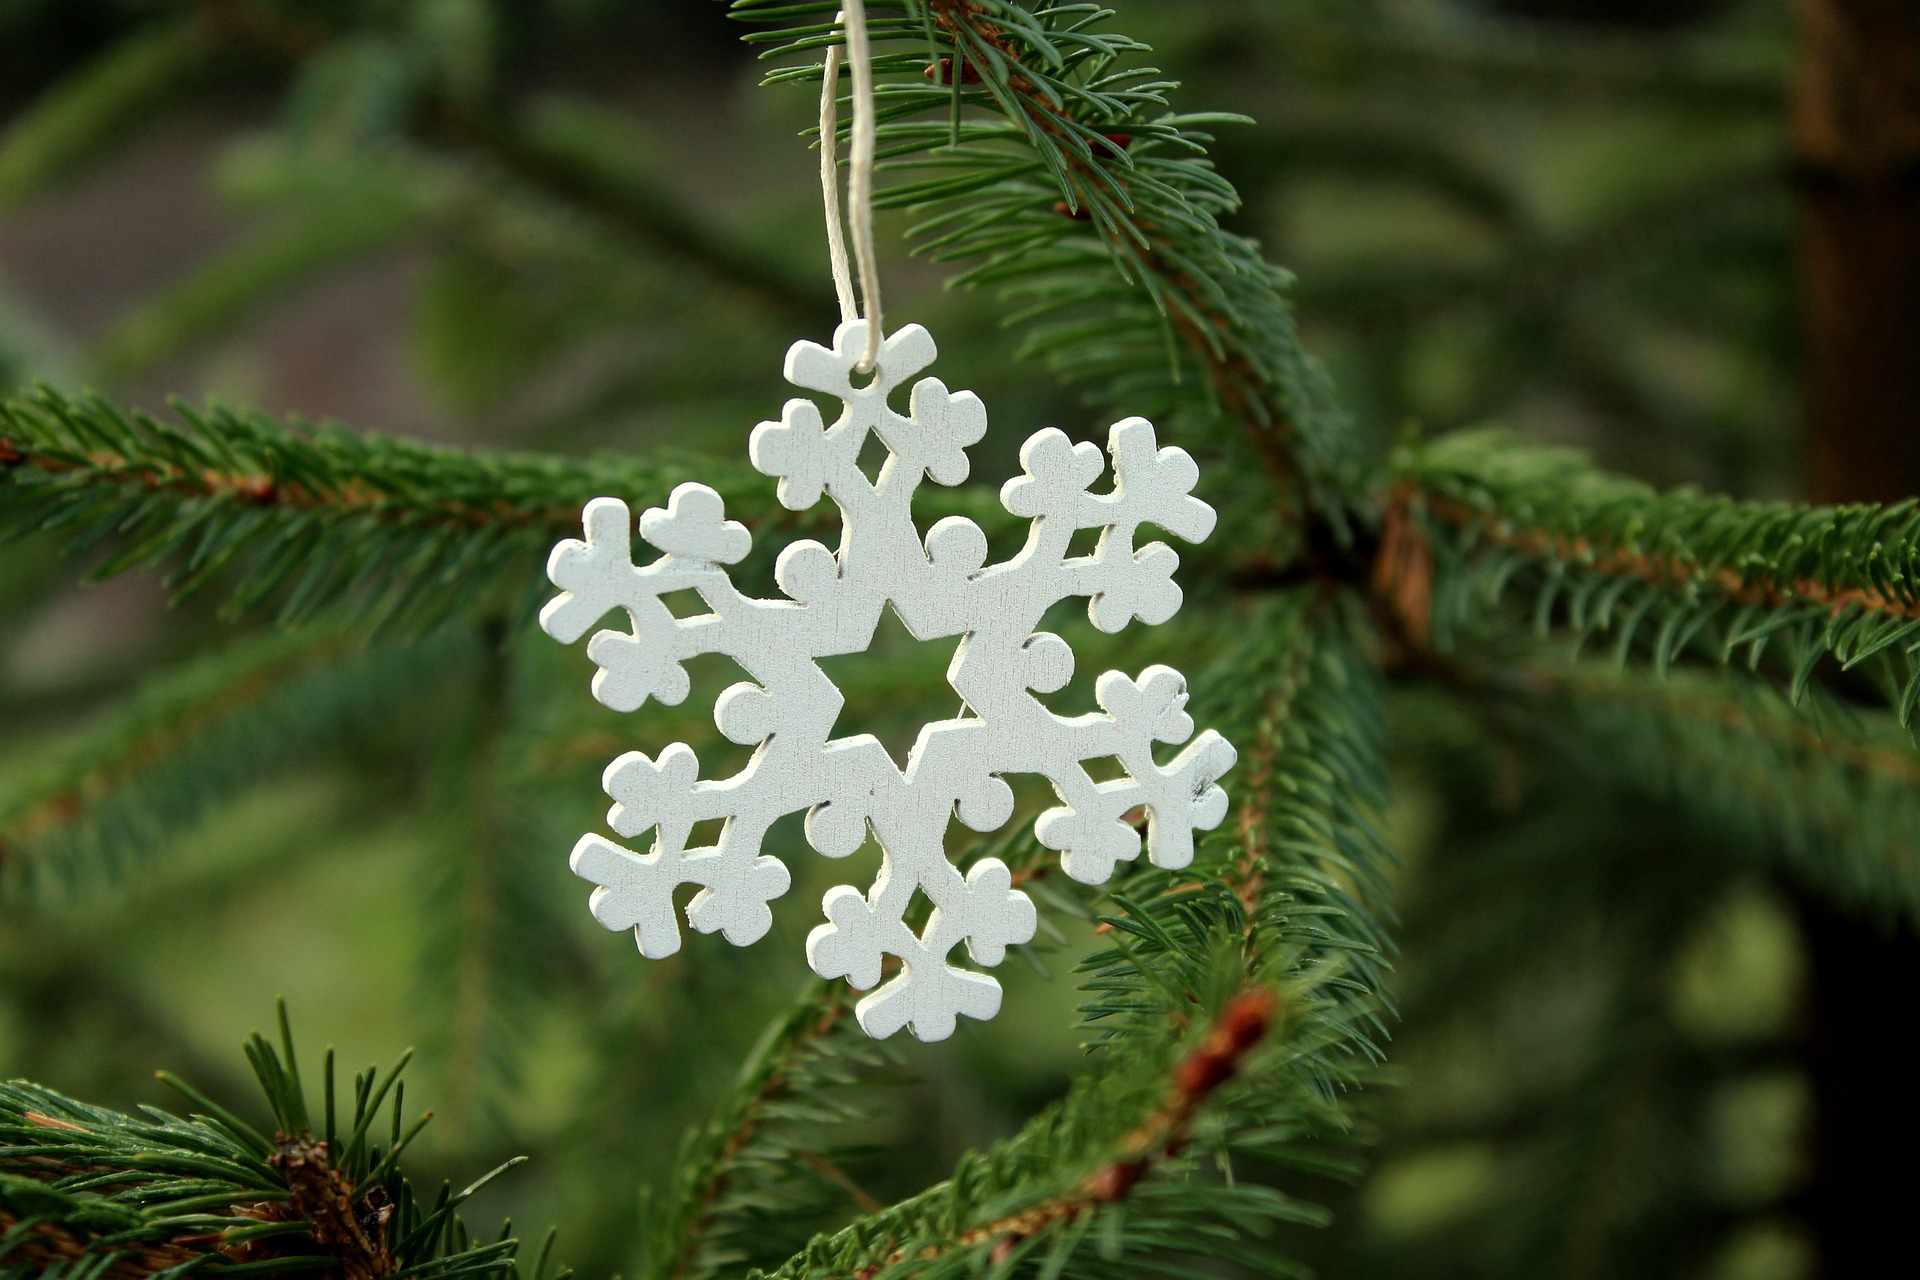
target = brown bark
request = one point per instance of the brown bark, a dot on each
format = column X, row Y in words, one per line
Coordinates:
column 1856, row 133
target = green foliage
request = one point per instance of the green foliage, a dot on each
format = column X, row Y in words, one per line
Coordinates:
column 220, row 293
column 498, row 944
column 1378, row 155
column 769, row 1157
column 1595, row 987
column 85, row 1191
column 1524, row 62
column 1491, row 220
column 1671, row 573
column 1833, row 796
column 1717, row 214
column 592, row 158
column 480, row 334
column 97, row 106
column 307, row 517
column 193, row 739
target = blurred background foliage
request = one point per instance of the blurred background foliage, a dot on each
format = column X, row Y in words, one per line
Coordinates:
column 577, row 226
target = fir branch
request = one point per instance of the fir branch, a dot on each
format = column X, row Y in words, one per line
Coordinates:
column 1601, row 1143
column 1746, row 206
column 235, row 282
column 1082, row 200
column 548, row 275
column 1483, row 59
column 92, row 1192
column 585, row 158
column 1478, row 516
column 1148, row 1132
column 745, row 1169
column 1155, row 1141
column 1277, row 153
column 1835, row 801
column 754, row 1168
column 317, row 517
column 498, row 944
column 196, row 737
column 563, row 154
column 1314, row 864
column 87, row 112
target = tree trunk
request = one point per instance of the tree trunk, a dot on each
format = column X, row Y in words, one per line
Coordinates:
column 1856, row 132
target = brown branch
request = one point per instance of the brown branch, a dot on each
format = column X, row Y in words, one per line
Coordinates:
column 751, row 1120
column 344, row 1222
column 356, row 495
column 351, row 1227
column 1792, row 734
column 1249, row 874
column 861, row 1197
column 1795, row 735
column 48, row 1246
column 1163, row 1134
column 269, row 30
column 66, row 805
column 1160, row 1137
column 1668, row 572
column 650, row 217
column 1402, row 576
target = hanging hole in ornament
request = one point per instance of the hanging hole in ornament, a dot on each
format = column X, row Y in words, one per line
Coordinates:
column 684, row 603
column 863, row 379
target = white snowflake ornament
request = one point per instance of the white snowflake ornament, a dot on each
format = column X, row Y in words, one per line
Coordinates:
column 940, row 586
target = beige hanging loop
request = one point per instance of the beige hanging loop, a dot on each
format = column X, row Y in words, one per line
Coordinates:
column 853, row 22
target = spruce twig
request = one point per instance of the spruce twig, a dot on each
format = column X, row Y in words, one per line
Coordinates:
column 1834, row 797
column 313, row 518
column 804, row 1053
column 1478, row 516
column 83, row 116
column 193, row 738
column 87, row 1191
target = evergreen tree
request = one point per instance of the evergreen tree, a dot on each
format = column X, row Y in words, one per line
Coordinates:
column 1531, row 1010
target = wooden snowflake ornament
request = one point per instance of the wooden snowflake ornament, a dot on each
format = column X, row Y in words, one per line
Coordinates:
column 940, row 586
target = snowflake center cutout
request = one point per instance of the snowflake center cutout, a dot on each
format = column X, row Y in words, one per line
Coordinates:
column 924, row 665
column 942, row 588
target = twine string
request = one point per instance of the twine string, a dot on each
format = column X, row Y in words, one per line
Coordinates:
column 853, row 23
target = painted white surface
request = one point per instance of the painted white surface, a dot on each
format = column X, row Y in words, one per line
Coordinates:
column 940, row 587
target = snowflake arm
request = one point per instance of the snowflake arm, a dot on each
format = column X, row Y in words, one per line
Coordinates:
column 597, row 576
